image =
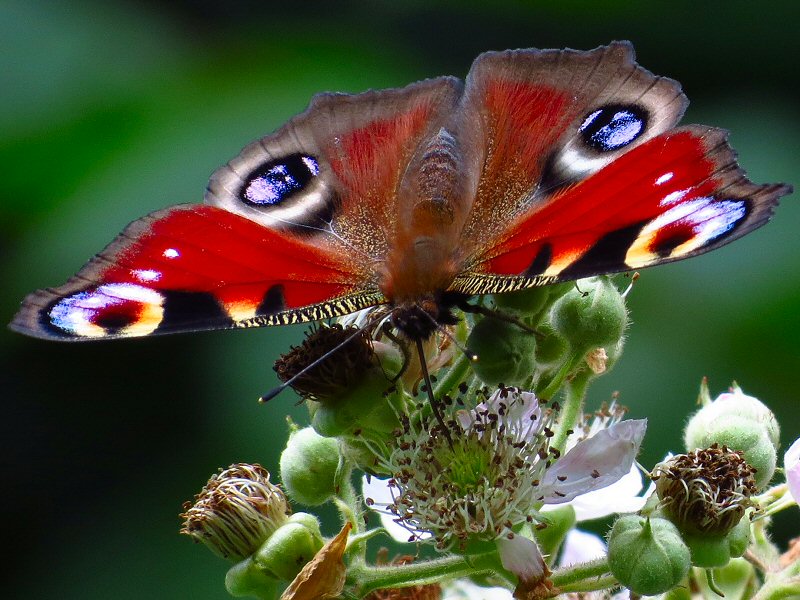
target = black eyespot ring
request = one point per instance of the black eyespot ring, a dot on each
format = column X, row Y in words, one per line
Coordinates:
column 279, row 179
column 613, row 126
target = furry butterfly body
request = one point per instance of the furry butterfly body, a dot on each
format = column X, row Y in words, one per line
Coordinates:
column 543, row 166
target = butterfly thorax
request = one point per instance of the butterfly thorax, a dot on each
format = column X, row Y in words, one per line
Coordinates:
column 423, row 260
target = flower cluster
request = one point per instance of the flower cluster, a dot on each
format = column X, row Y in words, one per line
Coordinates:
column 493, row 463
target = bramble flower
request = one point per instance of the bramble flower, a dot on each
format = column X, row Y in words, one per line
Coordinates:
column 499, row 469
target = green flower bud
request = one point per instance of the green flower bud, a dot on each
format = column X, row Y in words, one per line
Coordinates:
column 739, row 422
column 505, row 352
column 246, row 579
column 710, row 551
column 733, row 403
column 290, row 547
column 532, row 302
column 364, row 406
column 236, row 511
column 308, row 467
column 590, row 315
column 647, row 556
column 706, row 491
column 551, row 348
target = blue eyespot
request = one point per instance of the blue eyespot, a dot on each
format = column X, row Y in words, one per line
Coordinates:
column 613, row 126
column 279, row 179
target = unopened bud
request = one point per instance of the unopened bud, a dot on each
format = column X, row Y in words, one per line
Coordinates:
column 647, row 555
column 308, row 467
column 505, row 352
column 590, row 315
column 236, row 511
column 530, row 303
column 290, row 547
column 739, row 422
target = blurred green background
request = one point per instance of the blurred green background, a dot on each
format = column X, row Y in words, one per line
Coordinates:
column 109, row 110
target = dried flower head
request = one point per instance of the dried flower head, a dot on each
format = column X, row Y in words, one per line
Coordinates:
column 236, row 511
column 706, row 490
column 339, row 372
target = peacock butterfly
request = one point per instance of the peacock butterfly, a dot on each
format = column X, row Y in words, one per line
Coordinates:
column 544, row 166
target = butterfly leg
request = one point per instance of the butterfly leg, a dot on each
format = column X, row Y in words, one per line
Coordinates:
column 386, row 329
column 479, row 309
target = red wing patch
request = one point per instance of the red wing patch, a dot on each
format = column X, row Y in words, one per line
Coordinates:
column 675, row 196
column 197, row 267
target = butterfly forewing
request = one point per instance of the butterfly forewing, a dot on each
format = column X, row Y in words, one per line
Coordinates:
column 197, row 267
column 675, row 196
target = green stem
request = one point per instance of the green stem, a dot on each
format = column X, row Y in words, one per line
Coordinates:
column 781, row 585
column 453, row 377
column 558, row 379
column 597, row 583
column 369, row 579
column 577, row 574
column 571, row 411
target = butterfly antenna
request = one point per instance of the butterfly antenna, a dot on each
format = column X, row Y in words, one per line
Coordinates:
column 429, row 388
column 278, row 389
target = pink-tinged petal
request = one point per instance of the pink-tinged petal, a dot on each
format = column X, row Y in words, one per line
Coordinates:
column 791, row 462
column 581, row 546
column 463, row 589
column 380, row 494
column 521, row 556
column 522, row 413
column 594, row 463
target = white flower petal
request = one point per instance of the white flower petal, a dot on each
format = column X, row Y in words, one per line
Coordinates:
column 791, row 462
column 621, row 496
column 380, row 493
column 521, row 556
column 594, row 463
column 581, row 546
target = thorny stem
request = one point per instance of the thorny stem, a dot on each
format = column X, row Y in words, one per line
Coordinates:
column 577, row 575
column 598, row 583
column 369, row 579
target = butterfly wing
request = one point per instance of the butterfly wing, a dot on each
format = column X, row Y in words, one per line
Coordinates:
column 291, row 231
column 599, row 181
